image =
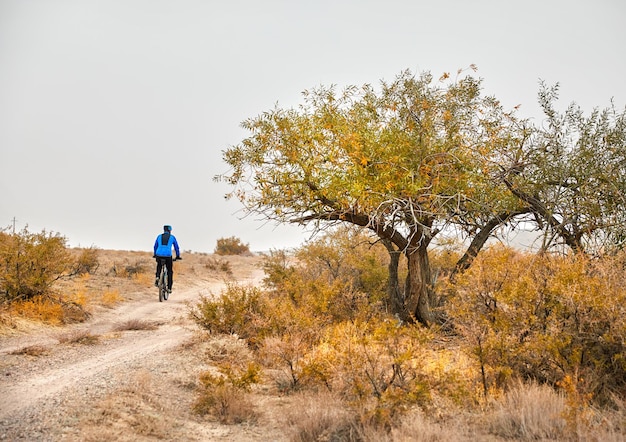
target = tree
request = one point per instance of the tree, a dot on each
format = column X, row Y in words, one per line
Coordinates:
column 571, row 171
column 412, row 161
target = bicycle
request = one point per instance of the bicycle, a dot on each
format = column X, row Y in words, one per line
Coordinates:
column 163, row 281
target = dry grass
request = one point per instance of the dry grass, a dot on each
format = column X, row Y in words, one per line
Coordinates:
column 83, row 337
column 131, row 413
column 227, row 404
column 226, row 349
column 32, row 350
column 417, row 427
column 530, row 412
column 41, row 309
column 110, row 298
column 322, row 417
column 136, row 324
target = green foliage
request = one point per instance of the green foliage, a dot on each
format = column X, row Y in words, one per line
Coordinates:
column 570, row 172
column 406, row 162
column 407, row 148
column 30, row 263
column 231, row 246
column 554, row 319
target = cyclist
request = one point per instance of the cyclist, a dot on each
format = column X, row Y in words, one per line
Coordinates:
column 163, row 254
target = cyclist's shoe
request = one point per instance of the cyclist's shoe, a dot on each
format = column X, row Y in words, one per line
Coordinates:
column 169, row 291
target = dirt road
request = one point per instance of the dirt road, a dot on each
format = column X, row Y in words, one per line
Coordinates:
column 112, row 384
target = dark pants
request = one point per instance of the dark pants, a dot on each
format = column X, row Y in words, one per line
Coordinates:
column 167, row 260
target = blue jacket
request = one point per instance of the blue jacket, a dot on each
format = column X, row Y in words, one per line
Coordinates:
column 163, row 245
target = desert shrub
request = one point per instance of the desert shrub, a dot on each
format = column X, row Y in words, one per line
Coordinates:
column 224, row 395
column 239, row 310
column 129, row 270
column 110, row 297
column 49, row 310
column 321, row 323
column 348, row 255
column 231, row 246
column 277, row 266
column 225, row 403
column 87, row 261
column 341, row 276
column 135, row 268
column 73, row 312
column 221, row 265
column 251, row 314
column 286, row 353
column 30, row 263
column 548, row 318
column 377, row 367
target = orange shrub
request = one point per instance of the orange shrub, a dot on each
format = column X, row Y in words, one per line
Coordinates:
column 546, row 318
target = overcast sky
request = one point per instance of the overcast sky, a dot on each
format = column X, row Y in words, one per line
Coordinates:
column 114, row 113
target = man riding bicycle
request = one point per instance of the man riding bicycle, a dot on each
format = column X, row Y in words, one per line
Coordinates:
column 163, row 254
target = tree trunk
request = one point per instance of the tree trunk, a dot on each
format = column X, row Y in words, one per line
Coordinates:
column 419, row 286
column 396, row 298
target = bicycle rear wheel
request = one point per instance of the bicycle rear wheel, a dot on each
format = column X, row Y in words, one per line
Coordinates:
column 166, row 293
column 163, row 286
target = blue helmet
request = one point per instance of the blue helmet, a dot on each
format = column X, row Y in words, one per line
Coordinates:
column 167, row 228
